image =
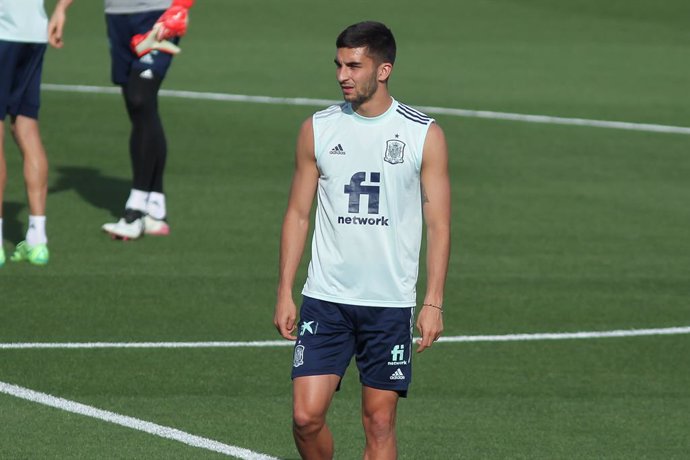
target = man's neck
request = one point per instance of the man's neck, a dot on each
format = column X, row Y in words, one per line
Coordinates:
column 375, row 106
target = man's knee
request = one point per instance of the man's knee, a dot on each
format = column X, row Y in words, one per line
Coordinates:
column 379, row 424
column 306, row 422
column 141, row 95
column 24, row 129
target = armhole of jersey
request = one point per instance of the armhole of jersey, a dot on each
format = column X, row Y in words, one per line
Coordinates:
column 317, row 148
column 421, row 147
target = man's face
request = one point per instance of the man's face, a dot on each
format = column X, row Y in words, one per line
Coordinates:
column 357, row 75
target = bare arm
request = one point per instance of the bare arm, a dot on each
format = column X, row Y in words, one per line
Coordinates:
column 56, row 24
column 436, row 207
column 295, row 229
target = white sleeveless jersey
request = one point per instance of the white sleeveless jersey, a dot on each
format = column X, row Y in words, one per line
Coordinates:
column 23, row 21
column 368, row 228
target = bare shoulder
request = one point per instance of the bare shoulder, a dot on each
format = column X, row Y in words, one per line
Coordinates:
column 307, row 127
column 435, row 134
column 305, row 140
column 435, row 147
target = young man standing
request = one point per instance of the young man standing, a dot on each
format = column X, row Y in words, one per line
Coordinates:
column 142, row 34
column 379, row 169
column 24, row 32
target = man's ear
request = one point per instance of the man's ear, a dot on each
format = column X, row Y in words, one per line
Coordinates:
column 384, row 71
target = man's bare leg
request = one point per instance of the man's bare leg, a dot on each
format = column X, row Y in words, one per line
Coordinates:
column 28, row 138
column 378, row 417
column 3, row 165
column 312, row 396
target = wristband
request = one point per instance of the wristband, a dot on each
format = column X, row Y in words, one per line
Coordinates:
column 438, row 307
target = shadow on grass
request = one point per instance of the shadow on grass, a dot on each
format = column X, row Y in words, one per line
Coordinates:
column 102, row 192
column 13, row 228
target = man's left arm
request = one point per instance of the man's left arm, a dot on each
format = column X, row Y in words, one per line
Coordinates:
column 172, row 23
column 436, row 208
column 56, row 24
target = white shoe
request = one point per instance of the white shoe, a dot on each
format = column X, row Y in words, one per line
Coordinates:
column 129, row 227
column 157, row 227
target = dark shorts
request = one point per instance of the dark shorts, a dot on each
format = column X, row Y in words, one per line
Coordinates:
column 380, row 339
column 121, row 29
column 21, row 65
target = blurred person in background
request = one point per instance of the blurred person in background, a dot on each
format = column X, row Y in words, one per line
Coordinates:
column 143, row 35
column 24, row 33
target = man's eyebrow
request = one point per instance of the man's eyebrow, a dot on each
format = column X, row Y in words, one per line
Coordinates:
column 348, row 63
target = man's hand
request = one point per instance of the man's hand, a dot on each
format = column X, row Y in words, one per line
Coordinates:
column 142, row 44
column 430, row 325
column 285, row 317
column 56, row 24
column 173, row 23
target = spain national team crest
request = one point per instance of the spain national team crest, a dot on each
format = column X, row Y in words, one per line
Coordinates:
column 395, row 151
column 298, row 359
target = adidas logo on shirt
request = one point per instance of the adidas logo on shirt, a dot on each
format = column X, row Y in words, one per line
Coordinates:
column 337, row 150
column 397, row 375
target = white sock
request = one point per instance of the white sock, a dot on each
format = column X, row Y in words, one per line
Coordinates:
column 155, row 206
column 137, row 200
column 36, row 234
column 1, row 231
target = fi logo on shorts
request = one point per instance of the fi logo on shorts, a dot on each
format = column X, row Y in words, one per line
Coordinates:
column 398, row 356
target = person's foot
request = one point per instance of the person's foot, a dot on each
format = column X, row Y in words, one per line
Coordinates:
column 2, row 256
column 129, row 227
column 37, row 254
column 157, row 227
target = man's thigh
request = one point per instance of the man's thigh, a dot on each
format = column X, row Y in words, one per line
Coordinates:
column 312, row 394
column 21, row 66
column 121, row 29
column 384, row 348
column 325, row 340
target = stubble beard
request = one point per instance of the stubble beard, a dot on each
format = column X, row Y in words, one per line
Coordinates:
column 365, row 95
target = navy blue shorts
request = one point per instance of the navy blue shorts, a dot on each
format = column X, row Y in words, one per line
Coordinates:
column 121, row 29
column 21, row 65
column 380, row 338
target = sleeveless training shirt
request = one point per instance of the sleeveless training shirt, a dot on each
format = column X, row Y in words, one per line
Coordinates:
column 368, row 226
column 23, row 21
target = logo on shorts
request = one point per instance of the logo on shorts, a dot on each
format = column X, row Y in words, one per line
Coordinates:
column 299, row 356
column 397, row 375
column 147, row 59
column 397, row 356
column 307, row 327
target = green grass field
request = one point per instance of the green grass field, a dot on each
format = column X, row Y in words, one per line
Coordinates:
column 556, row 229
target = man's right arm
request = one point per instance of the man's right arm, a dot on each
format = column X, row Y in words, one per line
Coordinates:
column 295, row 229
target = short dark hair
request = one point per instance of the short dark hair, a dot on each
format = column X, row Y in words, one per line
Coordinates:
column 374, row 35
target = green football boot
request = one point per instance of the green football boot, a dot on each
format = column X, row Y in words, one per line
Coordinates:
column 2, row 256
column 36, row 255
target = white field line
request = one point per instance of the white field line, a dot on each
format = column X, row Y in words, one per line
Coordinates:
column 209, row 444
column 302, row 101
column 285, row 343
column 131, row 422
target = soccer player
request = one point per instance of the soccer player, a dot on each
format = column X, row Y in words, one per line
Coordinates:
column 379, row 169
column 24, row 33
column 140, row 72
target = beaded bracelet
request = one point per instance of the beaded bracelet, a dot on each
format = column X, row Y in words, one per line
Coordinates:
column 438, row 307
